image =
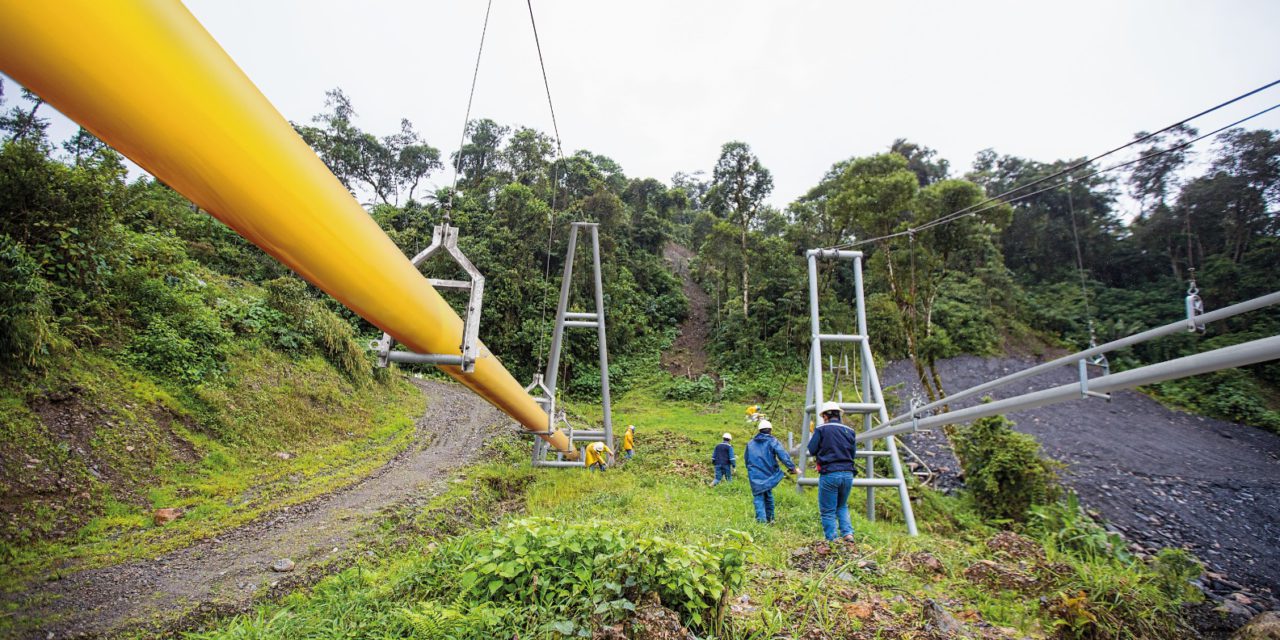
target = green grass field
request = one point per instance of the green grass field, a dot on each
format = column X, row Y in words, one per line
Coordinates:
column 571, row 553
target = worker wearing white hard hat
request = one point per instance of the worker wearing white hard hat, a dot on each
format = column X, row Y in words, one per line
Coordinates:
column 833, row 447
column 598, row 456
column 723, row 459
column 762, row 457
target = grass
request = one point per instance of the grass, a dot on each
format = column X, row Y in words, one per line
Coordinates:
column 878, row 590
column 208, row 451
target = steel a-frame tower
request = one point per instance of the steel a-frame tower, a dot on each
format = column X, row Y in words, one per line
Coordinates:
column 870, row 405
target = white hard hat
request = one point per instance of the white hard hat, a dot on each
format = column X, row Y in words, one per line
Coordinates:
column 631, row 427
column 764, row 424
column 599, row 446
column 727, row 436
column 828, row 407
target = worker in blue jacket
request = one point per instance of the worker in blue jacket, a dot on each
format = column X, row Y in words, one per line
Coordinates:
column 723, row 459
column 763, row 453
column 832, row 446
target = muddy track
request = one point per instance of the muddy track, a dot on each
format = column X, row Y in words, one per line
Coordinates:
column 688, row 355
column 1161, row 477
column 226, row 573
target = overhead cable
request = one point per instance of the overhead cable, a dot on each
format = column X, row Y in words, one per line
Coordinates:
column 994, row 201
column 466, row 120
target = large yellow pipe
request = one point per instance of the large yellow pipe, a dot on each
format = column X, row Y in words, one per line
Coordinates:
column 146, row 78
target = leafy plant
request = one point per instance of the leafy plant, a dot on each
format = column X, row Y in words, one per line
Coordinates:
column 572, row 575
column 1003, row 468
column 1064, row 526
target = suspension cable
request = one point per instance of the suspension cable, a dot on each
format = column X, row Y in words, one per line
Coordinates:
column 952, row 217
column 466, row 120
column 1084, row 288
column 1073, row 167
column 546, row 84
column 555, row 186
column 1138, row 140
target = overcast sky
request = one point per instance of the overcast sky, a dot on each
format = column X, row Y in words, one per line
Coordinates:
column 660, row 85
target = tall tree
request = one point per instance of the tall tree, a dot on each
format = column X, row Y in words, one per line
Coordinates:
column 1153, row 179
column 23, row 123
column 480, row 156
column 739, row 186
column 920, row 160
column 386, row 167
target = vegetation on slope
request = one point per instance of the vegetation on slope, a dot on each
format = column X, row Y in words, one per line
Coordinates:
column 565, row 553
column 153, row 359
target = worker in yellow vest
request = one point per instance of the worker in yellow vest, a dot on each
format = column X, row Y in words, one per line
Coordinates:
column 596, row 456
column 629, row 442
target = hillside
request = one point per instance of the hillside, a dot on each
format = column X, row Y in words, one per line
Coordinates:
column 1163, row 478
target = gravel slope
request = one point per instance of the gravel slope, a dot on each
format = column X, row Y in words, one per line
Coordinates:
column 1162, row 477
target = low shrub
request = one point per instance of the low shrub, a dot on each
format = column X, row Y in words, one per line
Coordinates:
column 1064, row 527
column 28, row 329
column 572, row 577
column 1003, row 469
column 702, row 389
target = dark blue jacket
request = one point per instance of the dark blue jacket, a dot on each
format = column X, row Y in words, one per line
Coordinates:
column 832, row 445
column 763, row 453
column 723, row 454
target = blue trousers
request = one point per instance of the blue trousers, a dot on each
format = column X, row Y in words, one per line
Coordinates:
column 599, row 466
column 833, row 503
column 764, row 506
column 723, row 472
column 627, row 453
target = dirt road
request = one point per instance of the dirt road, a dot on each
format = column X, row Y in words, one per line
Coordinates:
column 225, row 573
column 1162, row 477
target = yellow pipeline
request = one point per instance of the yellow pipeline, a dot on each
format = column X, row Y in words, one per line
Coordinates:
column 146, row 78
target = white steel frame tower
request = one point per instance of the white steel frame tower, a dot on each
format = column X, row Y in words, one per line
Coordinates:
column 872, row 397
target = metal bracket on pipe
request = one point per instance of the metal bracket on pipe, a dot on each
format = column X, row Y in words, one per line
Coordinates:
column 916, row 403
column 1195, row 307
column 1099, row 361
column 445, row 236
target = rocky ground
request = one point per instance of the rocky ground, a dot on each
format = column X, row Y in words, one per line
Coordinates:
column 1160, row 477
column 281, row 551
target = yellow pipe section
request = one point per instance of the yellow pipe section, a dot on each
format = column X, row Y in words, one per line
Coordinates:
column 146, row 78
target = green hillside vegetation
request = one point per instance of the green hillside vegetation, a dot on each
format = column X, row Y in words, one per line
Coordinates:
column 573, row 553
column 151, row 358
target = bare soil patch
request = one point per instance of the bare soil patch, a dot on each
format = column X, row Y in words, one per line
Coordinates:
column 688, row 355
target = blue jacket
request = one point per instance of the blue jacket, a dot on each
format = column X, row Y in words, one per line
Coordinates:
column 723, row 454
column 763, row 453
column 832, row 445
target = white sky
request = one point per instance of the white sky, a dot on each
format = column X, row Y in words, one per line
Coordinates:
column 660, row 85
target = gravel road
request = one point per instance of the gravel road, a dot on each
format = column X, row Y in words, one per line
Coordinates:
column 225, row 573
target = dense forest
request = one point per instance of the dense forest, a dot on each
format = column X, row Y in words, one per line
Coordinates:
column 1058, row 268
column 93, row 260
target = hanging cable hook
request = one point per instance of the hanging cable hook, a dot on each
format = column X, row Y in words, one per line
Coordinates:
column 1194, row 304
